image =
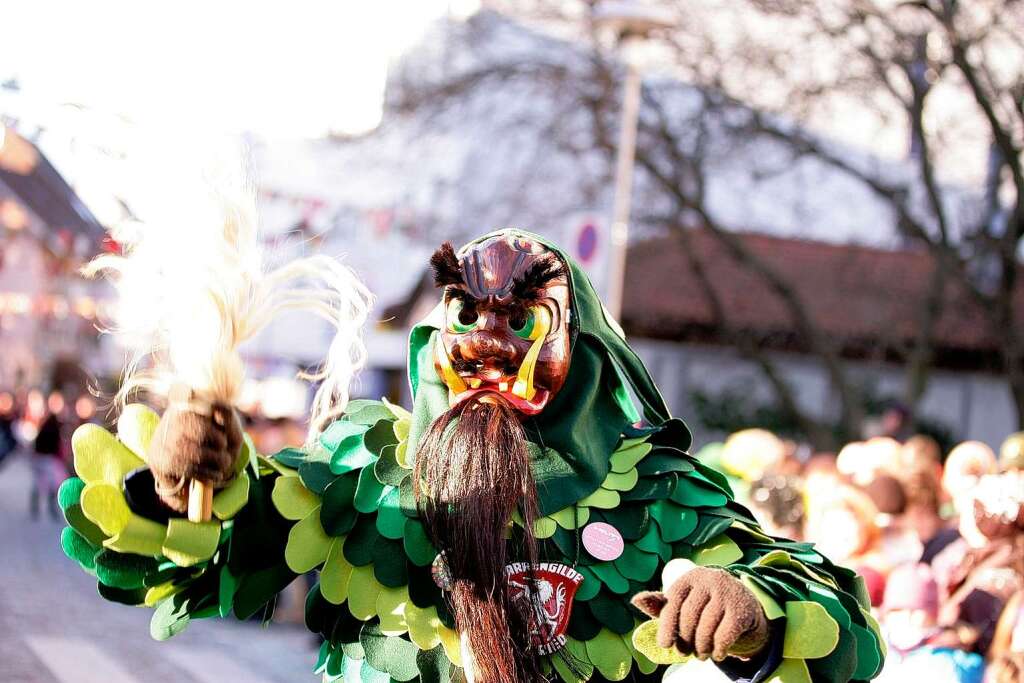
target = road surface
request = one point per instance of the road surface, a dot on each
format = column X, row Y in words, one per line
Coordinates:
column 55, row 628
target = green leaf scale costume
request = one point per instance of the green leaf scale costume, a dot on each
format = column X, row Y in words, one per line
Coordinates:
column 346, row 509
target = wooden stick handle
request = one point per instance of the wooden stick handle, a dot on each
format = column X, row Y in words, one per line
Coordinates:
column 200, row 501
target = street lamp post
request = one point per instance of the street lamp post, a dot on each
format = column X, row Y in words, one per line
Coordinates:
column 631, row 23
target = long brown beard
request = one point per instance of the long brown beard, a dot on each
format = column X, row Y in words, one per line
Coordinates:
column 472, row 472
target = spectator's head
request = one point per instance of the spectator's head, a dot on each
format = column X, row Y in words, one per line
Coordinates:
column 55, row 403
column 894, row 420
column 921, row 452
column 887, row 493
column 923, row 492
column 6, row 403
column 85, row 407
column 749, row 453
column 998, row 506
column 842, row 524
column 861, row 461
column 1011, row 453
column 820, row 475
column 851, row 459
column 777, row 501
column 35, row 404
column 965, row 465
column 910, row 609
column 921, row 475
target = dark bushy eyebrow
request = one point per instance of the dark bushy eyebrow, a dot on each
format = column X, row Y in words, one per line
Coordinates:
column 445, row 265
column 537, row 277
column 461, row 294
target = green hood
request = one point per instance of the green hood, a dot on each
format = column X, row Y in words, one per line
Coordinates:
column 581, row 426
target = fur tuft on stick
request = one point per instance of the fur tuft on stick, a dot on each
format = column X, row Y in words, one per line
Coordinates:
column 192, row 287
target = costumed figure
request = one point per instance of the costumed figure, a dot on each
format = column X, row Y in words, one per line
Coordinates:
column 524, row 522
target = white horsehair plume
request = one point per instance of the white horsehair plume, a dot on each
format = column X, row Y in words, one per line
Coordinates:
column 193, row 286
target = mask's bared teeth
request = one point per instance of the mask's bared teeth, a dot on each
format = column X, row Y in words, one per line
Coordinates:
column 521, row 389
column 474, row 382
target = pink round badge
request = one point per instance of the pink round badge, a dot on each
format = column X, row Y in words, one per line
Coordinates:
column 603, row 541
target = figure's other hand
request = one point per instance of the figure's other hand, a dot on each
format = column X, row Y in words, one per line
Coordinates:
column 193, row 441
column 707, row 613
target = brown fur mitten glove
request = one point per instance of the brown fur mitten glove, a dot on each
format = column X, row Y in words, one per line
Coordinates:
column 194, row 440
column 707, row 612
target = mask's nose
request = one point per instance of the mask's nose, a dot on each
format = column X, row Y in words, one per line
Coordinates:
column 487, row 347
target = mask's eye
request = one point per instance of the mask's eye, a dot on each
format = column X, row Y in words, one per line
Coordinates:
column 460, row 318
column 524, row 324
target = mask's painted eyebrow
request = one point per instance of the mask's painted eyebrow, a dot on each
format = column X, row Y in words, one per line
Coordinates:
column 445, row 265
column 454, row 292
column 537, row 277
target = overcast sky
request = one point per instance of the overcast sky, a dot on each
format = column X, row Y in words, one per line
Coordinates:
column 299, row 68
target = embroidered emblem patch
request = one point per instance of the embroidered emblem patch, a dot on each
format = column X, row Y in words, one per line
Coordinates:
column 547, row 598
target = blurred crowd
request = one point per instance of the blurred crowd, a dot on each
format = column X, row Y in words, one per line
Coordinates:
column 938, row 538
column 39, row 426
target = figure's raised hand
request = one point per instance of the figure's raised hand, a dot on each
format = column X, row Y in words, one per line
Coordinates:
column 193, row 441
column 708, row 613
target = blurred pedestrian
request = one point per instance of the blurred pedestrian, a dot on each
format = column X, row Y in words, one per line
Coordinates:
column 48, row 469
column 8, row 442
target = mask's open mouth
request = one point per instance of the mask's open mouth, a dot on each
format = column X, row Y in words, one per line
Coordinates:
column 506, row 390
column 519, row 389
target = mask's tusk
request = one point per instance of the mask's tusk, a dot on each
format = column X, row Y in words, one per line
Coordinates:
column 448, row 374
column 523, row 388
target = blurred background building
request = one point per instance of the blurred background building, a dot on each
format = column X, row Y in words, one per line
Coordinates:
column 47, row 311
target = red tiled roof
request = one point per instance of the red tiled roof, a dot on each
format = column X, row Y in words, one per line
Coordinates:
column 865, row 298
